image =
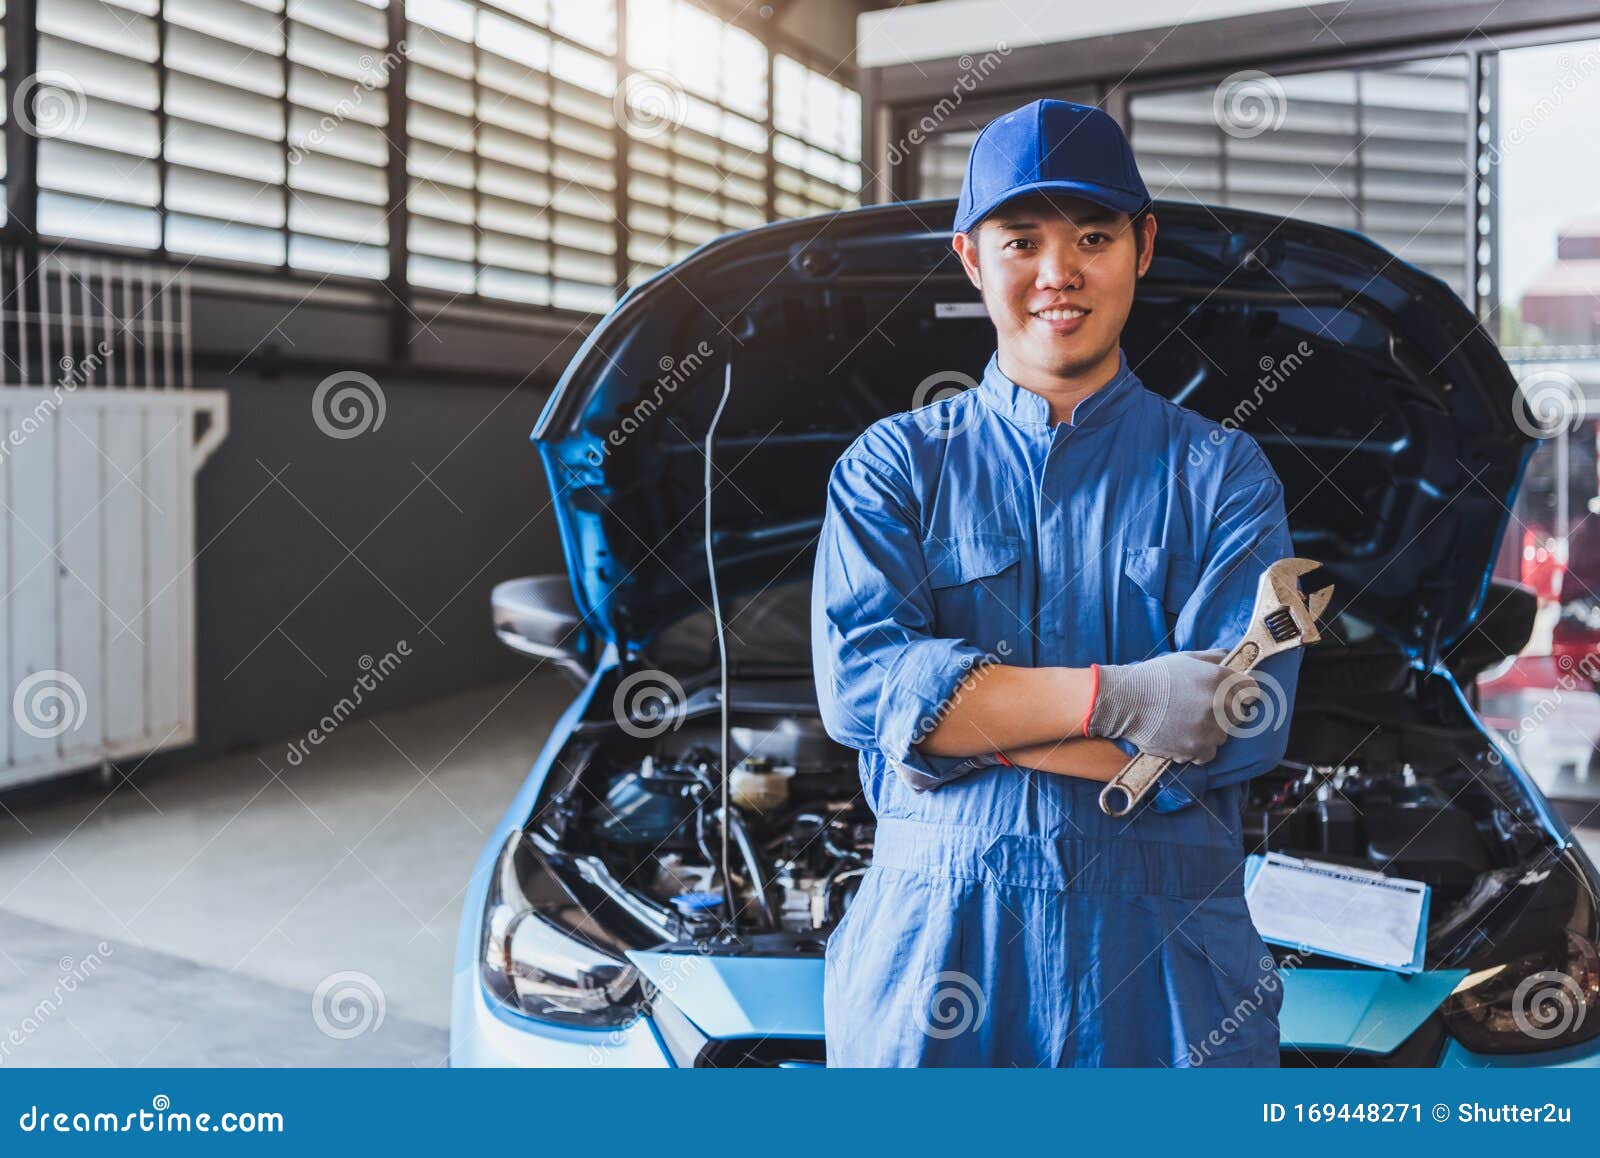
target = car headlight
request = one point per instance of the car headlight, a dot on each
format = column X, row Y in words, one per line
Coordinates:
column 1545, row 999
column 535, row 956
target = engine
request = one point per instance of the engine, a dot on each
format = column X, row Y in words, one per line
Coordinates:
column 799, row 836
column 1377, row 817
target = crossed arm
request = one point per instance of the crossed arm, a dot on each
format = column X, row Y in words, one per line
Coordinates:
column 1033, row 715
column 938, row 708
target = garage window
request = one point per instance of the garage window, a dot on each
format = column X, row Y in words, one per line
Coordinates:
column 264, row 142
column 539, row 135
column 1382, row 150
column 698, row 140
column 512, row 186
column 817, row 148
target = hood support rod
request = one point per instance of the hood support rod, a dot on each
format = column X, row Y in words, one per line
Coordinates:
column 730, row 918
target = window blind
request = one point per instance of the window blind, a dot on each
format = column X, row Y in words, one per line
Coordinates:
column 818, row 145
column 697, row 149
column 260, row 131
column 265, row 142
column 1379, row 150
column 512, row 186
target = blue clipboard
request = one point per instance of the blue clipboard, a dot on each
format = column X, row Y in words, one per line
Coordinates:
column 1252, row 866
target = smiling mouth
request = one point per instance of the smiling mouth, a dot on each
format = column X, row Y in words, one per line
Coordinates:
column 1060, row 315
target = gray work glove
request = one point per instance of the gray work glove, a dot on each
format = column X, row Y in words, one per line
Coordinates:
column 1169, row 706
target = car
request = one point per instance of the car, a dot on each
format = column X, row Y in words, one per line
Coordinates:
column 687, row 447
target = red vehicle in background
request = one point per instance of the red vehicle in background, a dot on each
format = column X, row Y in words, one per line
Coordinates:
column 1575, row 641
column 1564, row 575
column 1558, row 559
column 1543, row 568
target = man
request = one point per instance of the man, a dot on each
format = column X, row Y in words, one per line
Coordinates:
column 1015, row 590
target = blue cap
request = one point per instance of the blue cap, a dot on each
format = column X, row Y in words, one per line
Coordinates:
column 1054, row 146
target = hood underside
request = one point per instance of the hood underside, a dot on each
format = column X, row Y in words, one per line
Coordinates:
column 1384, row 407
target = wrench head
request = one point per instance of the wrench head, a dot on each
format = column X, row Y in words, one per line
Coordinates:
column 1317, row 601
column 1278, row 594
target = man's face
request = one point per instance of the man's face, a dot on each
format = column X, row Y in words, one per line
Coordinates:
column 1057, row 276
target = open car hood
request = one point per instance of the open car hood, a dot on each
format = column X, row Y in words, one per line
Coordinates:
column 1385, row 408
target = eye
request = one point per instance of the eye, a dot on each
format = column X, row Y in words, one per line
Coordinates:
column 1019, row 243
column 1094, row 238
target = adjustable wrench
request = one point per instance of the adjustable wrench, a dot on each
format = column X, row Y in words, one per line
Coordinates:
column 1282, row 619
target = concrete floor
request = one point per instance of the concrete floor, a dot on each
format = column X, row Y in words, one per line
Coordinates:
column 246, row 912
column 192, row 918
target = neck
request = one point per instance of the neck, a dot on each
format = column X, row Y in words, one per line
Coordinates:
column 1064, row 391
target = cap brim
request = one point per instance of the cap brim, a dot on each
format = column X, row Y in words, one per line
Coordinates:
column 1121, row 200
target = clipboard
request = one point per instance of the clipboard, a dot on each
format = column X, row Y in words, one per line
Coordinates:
column 1252, row 869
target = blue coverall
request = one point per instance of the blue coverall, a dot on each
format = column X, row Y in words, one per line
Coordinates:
column 1005, row 919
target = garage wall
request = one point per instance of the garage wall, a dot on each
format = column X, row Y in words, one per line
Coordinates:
column 285, row 612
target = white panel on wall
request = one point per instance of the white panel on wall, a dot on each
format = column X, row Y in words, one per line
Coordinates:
column 98, row 533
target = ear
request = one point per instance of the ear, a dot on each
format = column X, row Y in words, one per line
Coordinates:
column 1147, row 248
column 966, row 247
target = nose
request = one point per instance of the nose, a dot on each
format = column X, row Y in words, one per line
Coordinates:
column 1060, row 267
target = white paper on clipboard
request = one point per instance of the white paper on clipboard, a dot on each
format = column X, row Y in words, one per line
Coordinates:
column 1346, row 912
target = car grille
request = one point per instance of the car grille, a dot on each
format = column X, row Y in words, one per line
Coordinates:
column 760, row 1053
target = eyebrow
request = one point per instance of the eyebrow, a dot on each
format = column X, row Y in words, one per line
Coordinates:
column 1094, row 217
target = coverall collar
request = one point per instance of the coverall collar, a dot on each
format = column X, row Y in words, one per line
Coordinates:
column 1026, row 408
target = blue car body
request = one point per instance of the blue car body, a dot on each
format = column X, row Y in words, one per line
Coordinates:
column 1394, row 344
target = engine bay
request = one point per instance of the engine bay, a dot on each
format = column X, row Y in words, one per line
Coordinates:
column 1420, row 802
column 1380, row 817
column 800, row 835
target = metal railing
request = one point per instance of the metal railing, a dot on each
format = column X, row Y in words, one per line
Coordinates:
column 93, row 321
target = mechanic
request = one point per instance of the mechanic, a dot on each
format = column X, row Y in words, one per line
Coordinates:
column 1017, row 588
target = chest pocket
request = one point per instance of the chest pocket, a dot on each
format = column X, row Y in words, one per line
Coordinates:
column 976, row 584
column 1164, row 579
